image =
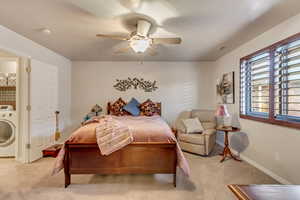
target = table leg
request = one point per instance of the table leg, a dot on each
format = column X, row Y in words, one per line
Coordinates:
column 226, row 150
column 234, row 157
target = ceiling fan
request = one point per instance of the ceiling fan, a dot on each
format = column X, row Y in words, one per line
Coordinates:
column 139, row 40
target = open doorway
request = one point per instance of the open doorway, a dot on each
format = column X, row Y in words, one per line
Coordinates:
column 28, row 100
column 9, row 104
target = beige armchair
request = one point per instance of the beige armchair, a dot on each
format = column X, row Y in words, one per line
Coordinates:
column 197, row 143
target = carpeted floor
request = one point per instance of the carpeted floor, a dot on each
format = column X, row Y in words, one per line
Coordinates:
column 208, row 181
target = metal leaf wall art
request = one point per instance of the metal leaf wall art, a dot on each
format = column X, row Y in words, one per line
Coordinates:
column 135, row 83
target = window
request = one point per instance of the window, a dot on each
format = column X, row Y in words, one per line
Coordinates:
column 287, row 81
column 255, row 85
column 270, row 84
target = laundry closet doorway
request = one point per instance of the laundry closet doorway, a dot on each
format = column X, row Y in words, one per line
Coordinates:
column 9, row 104
column 36, row 100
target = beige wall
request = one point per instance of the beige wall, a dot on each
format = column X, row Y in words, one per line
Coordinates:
column 271, row 147
column 182, row 85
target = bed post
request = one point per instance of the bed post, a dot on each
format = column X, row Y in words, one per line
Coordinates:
column 108, row 108
column 67, row 166
column 175, row 167
column 174, row 179
column 159, row 108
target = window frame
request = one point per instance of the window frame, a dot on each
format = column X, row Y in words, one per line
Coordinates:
column 292, row 122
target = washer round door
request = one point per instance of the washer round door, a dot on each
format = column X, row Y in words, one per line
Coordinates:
column 7, row 133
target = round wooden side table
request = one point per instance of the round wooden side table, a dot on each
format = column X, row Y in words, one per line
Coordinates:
column 226, row 150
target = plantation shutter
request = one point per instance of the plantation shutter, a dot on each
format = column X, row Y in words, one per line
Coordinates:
column 255, row 75
column 243, row 86
column 287, row 81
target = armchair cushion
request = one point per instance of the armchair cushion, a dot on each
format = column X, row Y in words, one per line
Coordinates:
column 192, row 125
column 192, row 138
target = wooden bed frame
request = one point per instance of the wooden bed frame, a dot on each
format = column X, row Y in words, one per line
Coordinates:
column 135, row 158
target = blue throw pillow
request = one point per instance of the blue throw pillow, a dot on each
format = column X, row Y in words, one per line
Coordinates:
column 133, row 107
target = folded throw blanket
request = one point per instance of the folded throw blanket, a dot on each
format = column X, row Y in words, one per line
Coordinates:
column 111, row 136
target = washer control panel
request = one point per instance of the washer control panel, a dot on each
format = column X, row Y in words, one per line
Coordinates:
column 6, row 114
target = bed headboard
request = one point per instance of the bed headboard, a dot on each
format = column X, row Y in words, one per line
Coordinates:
column 157, row 103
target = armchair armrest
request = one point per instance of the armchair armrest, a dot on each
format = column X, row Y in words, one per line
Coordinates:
column 209, row 132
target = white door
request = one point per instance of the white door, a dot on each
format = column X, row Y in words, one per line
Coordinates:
column 43, row 101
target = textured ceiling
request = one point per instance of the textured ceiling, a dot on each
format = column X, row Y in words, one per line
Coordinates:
column 204, row 25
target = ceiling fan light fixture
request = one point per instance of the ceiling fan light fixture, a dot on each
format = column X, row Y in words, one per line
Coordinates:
column 140, row 40
column 140, row 45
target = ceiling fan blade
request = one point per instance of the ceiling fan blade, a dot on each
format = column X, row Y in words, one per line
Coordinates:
column 143, row 27
column 114, row 37
column 123, row 50
column 166, row 40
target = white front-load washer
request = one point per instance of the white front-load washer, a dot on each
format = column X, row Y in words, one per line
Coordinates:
column 8, row 121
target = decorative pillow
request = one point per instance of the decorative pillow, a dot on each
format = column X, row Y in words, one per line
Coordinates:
column 117, row 108
column 192, row 125
column 149, row 108
column 133, row 107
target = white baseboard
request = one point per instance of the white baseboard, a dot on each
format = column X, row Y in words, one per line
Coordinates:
column 260, row 167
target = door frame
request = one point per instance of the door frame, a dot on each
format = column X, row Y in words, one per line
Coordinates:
column 24, row 112
column 22, row 102
column 16, row 59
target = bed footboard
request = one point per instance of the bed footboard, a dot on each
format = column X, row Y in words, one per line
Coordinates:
column 135, row 158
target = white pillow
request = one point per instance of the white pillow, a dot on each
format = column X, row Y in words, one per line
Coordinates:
column 192, row 125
